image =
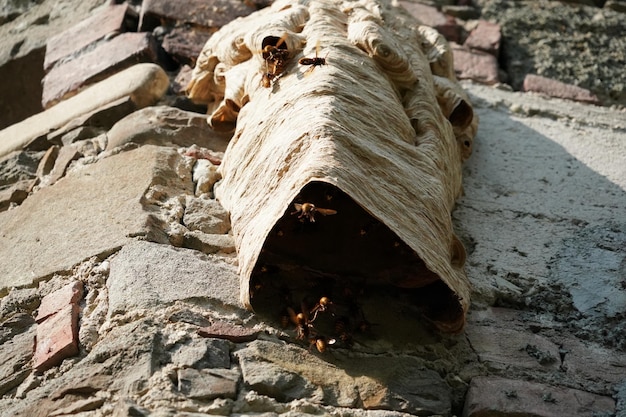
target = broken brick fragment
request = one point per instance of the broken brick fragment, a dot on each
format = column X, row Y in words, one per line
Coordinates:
column 57, row 338
column 558, row 89
column 58, row 300
column 223, row 330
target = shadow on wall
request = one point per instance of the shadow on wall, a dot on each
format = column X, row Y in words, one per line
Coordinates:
column 544, row 231
column 21, row 97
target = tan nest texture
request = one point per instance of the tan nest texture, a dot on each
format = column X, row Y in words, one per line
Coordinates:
column 377, row 132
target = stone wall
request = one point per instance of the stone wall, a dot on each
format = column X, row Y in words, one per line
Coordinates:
column 118, row 276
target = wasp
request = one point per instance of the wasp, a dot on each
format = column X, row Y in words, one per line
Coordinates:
column 313, row 62
column 321, row 343
column 342, row 332
column 301, row 320
column 267, row 79
column 322, row 305
column 276, row 58
column 308, row 210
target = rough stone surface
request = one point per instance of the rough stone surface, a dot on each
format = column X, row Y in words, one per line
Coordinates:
column 19, row 301
column 503, row 348
column 206, row 13
column 78, row 134
column 149, row 275
column 587, row 361
column 102, row 118
column 206, row 215
column 164, row 125
column 143, row 83
column 34, row 246
column 179, row 84
column 617, row 5
column 585, row 49
column 475, row 65
column 541, row 219
column 105, row 21
column 286, row 372
column 38, row 21
column 461, row 11
column 485, row 37
column 558, row 89
column 47, row 161
column 66, row 155
column 16, row 356
column 23, row 38
column 207, row 384
column 209, row 243
column 190, row 317
column 498, row 396
column 15, row 194
column 14, row 323
column 201, row 354
column 123, row 361
column 18, row 166
column 121, row 52
column 79, row 406
column 184, row 45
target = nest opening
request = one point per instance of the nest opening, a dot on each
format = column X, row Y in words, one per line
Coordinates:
column 336, row 249
column 462, row 115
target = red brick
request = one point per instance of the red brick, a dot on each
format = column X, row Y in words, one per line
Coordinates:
column 108, row 20
column 475, row 65
column 554, row 88
column 184, row 45
column 59, row 299
column 205, row 13
column 430, row 16
column 492, row 396
column 222, row 330
column 110, row 57
column 57, row 338
column 485, row 37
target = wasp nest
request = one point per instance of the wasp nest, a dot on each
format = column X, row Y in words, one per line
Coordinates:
column 349, row 131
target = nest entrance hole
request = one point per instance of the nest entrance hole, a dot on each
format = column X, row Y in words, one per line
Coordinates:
column 341, row 252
